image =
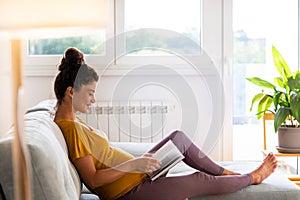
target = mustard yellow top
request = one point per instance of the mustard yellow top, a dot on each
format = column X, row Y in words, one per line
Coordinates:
column 82, row 140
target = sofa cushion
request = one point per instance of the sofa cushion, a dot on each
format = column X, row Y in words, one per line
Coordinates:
column 6, row 174
column 275, row 187
column 85, row 196
column 53, row 176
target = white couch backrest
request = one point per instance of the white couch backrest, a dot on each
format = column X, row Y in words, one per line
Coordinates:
column 53, row 175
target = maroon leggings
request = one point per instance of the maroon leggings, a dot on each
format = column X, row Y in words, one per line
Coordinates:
column 206, row 181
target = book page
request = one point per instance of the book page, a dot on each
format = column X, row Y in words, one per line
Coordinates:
column 166, row 153
column 169, row 155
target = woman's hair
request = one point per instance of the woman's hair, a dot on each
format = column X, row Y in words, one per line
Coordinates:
column 74, row 72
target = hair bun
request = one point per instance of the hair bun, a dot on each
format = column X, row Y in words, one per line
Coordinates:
column 72, row 60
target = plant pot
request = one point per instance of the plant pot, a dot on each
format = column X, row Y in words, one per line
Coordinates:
column 289, row 138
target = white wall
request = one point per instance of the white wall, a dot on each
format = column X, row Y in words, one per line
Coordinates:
column 37, row 88
column 190, row 93
column 5, row 89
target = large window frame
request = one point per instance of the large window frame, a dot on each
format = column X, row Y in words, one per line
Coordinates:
column 43, row 64
column 216, row 39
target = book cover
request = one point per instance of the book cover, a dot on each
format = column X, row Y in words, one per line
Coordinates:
column 169, row 155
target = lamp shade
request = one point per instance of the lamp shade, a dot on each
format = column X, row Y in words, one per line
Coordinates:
column 35, row 14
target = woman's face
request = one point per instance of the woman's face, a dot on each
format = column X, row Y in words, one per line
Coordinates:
column 83, row 98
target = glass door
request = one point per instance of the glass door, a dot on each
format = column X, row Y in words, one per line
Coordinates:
column 257, row 25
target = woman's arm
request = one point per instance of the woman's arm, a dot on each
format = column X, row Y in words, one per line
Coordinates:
column 96, row 178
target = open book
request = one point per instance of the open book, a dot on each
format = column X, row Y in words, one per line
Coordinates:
column 169, row 155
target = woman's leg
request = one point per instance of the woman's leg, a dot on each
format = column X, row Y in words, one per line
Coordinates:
column 194, row 157
column 182, row 187
column 199, row 183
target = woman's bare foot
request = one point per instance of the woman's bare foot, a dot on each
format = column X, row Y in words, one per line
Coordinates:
column 264, row 170
column 227, row 172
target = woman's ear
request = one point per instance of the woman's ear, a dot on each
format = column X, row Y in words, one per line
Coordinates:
column 69, row 91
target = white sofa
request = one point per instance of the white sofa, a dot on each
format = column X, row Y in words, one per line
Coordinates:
column 55, row 178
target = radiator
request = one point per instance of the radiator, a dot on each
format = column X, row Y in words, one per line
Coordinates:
column 135, row 121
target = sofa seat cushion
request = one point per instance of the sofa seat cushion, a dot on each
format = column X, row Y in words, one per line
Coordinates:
column 275, row 187
column 85, row 196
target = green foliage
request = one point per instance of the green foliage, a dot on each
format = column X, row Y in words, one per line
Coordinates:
column 285, row 99
column 88, row 44
column 151, row 42
column 142, row 42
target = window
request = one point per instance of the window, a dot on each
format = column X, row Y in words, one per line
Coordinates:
column 178, row 16
column 201, row 22
column 88, row 43
column 151, row 14
column 274, row 23
column 45, row 48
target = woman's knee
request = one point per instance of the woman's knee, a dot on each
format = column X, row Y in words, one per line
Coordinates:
column 178, row 135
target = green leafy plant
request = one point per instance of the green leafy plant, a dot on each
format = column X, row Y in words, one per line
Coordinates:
column 283, row 100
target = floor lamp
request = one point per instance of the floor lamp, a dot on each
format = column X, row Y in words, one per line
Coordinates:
column 28, row 16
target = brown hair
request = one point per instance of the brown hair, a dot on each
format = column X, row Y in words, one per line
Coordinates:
column 74, row 72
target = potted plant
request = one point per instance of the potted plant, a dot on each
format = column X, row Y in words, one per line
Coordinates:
column 282, row 98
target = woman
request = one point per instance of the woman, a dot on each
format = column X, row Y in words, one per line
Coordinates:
column 113, row 174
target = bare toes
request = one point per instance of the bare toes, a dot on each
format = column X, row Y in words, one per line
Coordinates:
column 265, row 169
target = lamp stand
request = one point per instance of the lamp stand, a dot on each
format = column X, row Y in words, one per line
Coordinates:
column 21, row 160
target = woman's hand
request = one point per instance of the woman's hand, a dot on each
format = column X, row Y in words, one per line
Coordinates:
column 97, row 178
column 146, row 164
